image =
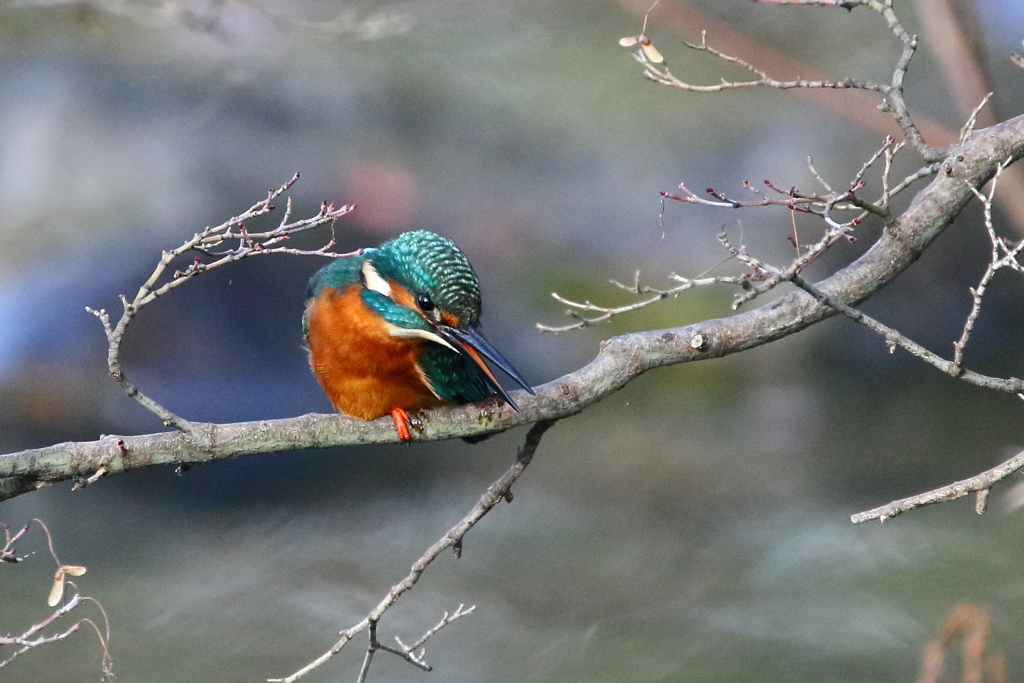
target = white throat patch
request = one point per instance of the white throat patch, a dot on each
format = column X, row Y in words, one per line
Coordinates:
column 396, row 331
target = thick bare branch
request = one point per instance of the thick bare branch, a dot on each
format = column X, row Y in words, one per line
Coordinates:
column 620, row 359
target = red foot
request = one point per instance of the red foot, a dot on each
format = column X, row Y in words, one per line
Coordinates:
column 401, row 419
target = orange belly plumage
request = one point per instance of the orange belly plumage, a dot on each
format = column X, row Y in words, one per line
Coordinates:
column 365, row 371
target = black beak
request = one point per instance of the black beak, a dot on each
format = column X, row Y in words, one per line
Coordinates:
column 477, row 348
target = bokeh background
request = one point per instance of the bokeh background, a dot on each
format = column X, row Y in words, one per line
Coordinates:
column 693, row 526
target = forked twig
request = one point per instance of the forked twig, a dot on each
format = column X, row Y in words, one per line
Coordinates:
column 604, row 313
column 408, row 652
column 1003, row 255
column 498, row 491
column 762, row 279
column 212, row 243
column 892, row 92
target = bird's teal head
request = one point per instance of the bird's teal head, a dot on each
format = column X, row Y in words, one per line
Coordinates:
column 443, row 283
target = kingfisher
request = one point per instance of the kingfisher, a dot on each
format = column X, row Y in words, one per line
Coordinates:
column 397, row 328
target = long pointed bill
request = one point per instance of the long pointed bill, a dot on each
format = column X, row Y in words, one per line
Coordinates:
column 476, row 345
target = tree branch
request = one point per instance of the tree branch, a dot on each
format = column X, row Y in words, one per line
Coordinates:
column 619, row 360
column 894, row 102
column 211, row 243
column 980, row 484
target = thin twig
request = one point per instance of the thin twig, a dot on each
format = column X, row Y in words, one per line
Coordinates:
column 9, row 553
column 1002, row 256
column 29, row 640
column 758, row 282
column 409, row 652
column 661, row 74
column 445, row 620
column 894, row 102
column 968, row 128
column 576, row 308
column 498, row 491
column 977, row 484
column 211, row 244
column 895, row 339
column 34, row 637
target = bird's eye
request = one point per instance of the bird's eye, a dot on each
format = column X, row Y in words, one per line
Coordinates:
column 424, row 302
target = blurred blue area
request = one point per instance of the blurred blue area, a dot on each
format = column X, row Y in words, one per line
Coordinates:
column 691, row 527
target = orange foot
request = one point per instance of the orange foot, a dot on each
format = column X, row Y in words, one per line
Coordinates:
column 401, row 419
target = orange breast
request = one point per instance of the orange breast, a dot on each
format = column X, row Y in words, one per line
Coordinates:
column 364, row 371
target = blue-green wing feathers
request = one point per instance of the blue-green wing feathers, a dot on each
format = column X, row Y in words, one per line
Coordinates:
column 452, row 376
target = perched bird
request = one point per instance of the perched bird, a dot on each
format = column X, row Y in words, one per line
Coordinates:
column 397, row 328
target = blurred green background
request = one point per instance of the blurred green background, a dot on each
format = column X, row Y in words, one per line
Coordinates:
column 693, row 527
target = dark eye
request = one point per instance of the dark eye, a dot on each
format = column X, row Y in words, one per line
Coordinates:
column 424, row 302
